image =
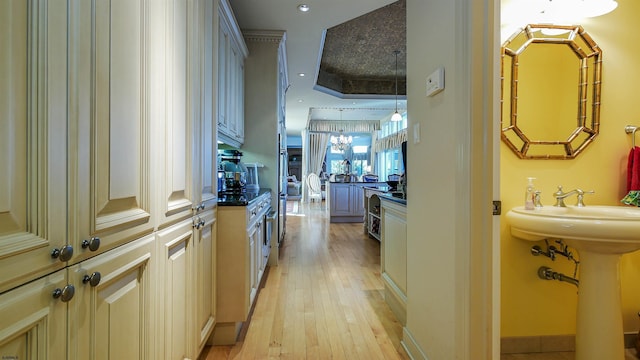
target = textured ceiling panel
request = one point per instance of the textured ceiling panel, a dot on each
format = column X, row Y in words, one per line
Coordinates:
column 358, row 55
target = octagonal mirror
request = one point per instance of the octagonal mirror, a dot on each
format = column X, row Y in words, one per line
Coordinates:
column 551, row 78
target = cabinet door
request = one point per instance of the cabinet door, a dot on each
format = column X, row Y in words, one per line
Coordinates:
column 341, row 202
column 111, row 316
column 34, row 325
column 33, row 139
column 178, row 144
column 224, row 43
column 207, row 145
column 113, row 140
column 357, row 196
column 176, row 292
column 205, row 278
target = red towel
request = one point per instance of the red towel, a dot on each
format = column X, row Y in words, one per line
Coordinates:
column 633, row 170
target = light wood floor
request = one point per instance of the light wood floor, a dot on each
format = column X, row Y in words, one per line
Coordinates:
column 323, row 301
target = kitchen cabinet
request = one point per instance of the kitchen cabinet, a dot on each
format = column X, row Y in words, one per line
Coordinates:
column 393, row 257
column 346, row 202
column 205, row 277
column 240, row 265
column 107, row 167
column 175, row 252
column 34, row 323
column 34, row 145
column 232, row 52
column 111, row 314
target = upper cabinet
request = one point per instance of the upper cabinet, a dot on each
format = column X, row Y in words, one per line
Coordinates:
column 33, row 141
column 232, row 52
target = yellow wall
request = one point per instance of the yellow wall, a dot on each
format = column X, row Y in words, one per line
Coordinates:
column 531, row 306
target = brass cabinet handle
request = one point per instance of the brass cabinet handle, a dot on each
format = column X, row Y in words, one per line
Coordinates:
column 64, row 253
column 65, row 294
column 93, row 244
column 93, row 279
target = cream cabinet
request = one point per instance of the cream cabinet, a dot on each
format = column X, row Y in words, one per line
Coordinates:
column 34, row 322
column 110, row 126
column 107, row 178
column 111, row 315
column 204, row 298
column 232, row 52
column 240, row 264
column 175, row 290
column 393, row 255
column 33, row 141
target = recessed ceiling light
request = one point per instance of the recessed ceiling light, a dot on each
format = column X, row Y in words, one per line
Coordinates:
column 303, row 8
column 300, row 100
column 301, row 74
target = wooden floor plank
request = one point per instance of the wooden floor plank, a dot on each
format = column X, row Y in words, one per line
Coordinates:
column 324, row 300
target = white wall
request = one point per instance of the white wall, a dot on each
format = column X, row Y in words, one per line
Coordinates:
column 450, row 180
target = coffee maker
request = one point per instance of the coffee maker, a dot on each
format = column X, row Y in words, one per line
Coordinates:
column 232, row 174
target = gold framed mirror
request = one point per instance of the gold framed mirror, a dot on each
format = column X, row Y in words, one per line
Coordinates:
column 551, row 78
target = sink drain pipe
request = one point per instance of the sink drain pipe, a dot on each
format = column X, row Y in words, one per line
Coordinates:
column 546, row 273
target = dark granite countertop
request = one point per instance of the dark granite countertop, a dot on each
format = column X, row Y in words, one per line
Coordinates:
column 243, row 199
column 393, row 197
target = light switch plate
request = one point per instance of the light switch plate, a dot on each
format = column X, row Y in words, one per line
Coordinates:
column 416, row 133
column 435, row 82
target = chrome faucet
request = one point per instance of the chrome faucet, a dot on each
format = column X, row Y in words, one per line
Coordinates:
column 560, row 196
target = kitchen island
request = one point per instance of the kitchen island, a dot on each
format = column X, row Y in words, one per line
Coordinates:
column 349, row 201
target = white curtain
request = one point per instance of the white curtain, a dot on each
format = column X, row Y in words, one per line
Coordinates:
column 305, row 165
column 314, row 148
column 318, row 143
column 372, row 151
column 365, row 126
column 392, row 141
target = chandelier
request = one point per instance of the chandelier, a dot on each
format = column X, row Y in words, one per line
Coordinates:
column 341, row 142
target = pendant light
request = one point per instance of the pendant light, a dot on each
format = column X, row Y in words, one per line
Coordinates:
column 396, row 115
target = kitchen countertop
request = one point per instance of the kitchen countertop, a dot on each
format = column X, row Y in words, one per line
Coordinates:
column 243, row 199
column 391, row 197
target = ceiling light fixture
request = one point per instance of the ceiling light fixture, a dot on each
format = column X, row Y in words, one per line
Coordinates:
column 301, row 74
column 341, row 143
column 303, row 8
column 396, row 115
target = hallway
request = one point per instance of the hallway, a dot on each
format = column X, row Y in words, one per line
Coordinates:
column 324, row 299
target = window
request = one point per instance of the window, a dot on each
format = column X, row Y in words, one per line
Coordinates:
column 358, row 155
column 389, row 161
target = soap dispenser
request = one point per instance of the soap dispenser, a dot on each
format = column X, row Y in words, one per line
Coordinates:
column 529, row 195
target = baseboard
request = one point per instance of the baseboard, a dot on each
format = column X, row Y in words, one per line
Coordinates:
column 411, row 346
column 551, row 343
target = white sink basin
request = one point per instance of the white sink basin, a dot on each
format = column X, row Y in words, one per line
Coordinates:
column 600, row 234
column 597, row 228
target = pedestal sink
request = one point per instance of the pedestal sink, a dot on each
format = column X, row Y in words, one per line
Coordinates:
column 600, row 234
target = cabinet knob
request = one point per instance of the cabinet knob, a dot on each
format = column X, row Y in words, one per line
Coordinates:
column 199, row 207
column 198, row 222
column 65, row 294
column 93, row 279
column 64, row 253
column 93, row 244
